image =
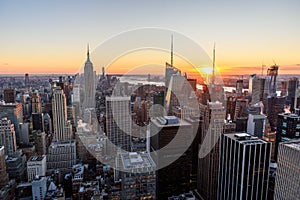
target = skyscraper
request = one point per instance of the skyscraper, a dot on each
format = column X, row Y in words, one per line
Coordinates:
column 208, row 164
column 175, row 178
column 9, row 96
column 3, row 173
column 256, row 88
column 288, row 128
column 239, row 87
column 39, row 188
column 13, row 112
column 36, row 103
column 59, row 108
column 288, row 174
column 7, row 136
column 256, row 125
column 138, row 176
column 272, row 74
column 244, row 167
column 274, row 106
column 36, row 166
column 292, row 92
column 27, row 84
column 89, row 83
column 118, row 121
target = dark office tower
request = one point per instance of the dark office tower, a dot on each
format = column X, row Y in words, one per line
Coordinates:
column 175, row 177
column 38, row 121
column 9, row 96
column 275, row 106
column 288, row 173
column 204, row 95
column 239, row 87
column 288, row 128
column 41, row 143
column 240, row 109
column 47, row 124
column 256, row 88
column 244, row 167
column 36, row 106
column 212, row 128
column 284, row 86
column 292, row 91
column 241, row 124
column 157, row 110
column 193, row 83
column 3, row 173
column 230, row 106
column 13, row 112
column 272, row 75
column 27, row 84
column 256, row 125
column 196, row 125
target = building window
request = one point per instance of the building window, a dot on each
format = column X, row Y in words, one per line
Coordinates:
column 297, row 134
column 284, row 124
column 283, row 132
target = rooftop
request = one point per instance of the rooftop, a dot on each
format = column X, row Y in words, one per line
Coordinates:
column 134, row 160
column 295, row 144
column 157, row 122
column 36, row 158
column 245, row 138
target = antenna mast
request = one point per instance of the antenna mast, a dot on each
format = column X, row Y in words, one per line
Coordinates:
column 172, row 50
column 213, row 70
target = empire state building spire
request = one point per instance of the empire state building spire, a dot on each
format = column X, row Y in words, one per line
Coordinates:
column 88, row 52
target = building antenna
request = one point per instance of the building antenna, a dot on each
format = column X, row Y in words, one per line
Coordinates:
column 172, row 50
column 213, row 70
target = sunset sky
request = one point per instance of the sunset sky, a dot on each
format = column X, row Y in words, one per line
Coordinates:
column 51, row 36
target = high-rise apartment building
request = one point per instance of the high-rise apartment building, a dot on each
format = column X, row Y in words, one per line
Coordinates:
column 288, row 173
column 244, row 167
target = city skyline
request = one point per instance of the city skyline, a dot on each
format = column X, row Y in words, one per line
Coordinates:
column 47, row 38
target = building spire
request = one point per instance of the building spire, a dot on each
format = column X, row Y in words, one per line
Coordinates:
column 172, row 50
column 88, row 52
column 213, row 70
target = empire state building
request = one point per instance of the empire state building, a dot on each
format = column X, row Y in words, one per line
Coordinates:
column 89, row 83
